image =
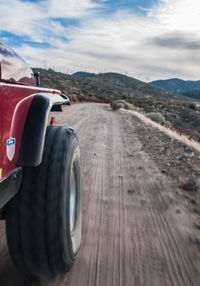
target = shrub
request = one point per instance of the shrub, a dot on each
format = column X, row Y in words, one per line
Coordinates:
column 157, row 117
column 167, row 124
column 192, row 106
column 117, row 105
column 183, row 131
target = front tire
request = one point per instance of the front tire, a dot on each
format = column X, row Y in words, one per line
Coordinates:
column 43, row 221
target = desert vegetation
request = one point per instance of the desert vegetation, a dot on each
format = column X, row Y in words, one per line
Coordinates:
column 157, row 117
column 117, row 104
column 125, row 92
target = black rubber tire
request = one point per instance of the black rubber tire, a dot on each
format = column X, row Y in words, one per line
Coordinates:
column 37, row 218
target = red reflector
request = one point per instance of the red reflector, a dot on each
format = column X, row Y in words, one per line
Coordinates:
column 53, row 121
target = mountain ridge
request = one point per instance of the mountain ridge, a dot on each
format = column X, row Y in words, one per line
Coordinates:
column 187, row 88
column 104, row 84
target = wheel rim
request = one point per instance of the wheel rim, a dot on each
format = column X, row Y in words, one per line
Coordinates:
column 72, row 199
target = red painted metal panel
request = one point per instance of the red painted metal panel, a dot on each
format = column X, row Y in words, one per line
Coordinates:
column 15, row 101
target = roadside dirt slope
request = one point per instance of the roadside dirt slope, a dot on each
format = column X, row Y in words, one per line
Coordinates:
column 132, row 231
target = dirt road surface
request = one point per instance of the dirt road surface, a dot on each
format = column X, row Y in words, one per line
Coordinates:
column 132, row 232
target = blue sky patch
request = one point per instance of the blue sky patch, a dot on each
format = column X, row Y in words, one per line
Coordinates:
column 32, row 1
column 13, row 40
column 66, row 21
column 137, row 6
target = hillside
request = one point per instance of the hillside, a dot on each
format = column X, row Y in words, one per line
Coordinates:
column 105, row 87
column 185, row 87
column 177, row 109
column 120, row 85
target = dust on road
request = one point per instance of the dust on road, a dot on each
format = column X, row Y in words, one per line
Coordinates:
column 132, row 234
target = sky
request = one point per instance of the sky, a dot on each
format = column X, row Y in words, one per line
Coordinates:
column 144, row 39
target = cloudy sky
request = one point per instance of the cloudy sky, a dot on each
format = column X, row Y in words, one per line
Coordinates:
column 145, row 39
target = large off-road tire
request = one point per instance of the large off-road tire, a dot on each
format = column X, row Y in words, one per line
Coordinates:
column 43, row 221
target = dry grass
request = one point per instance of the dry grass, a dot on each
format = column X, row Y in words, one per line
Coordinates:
column 174, row 135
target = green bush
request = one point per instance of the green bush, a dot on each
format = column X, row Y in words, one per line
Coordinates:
column 157, row 117
column 192, row 106
column 117, row 105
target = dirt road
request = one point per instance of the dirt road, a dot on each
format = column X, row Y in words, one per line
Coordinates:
column 132, row 232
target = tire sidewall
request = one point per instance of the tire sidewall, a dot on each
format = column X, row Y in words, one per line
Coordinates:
column 71, row 239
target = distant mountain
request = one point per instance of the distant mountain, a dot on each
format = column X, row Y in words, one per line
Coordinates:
column 185, row 87
column 83, row 74
column 117, row 85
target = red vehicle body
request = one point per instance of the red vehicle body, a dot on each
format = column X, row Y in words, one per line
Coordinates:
column 19, row 96
column 14, row 110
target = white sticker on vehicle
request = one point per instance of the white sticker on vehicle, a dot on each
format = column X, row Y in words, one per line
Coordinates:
column 10, row 148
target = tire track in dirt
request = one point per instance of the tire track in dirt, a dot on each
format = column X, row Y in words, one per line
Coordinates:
column 176, row 259
column 139, row 235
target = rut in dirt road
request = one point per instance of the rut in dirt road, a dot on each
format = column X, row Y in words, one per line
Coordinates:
column 132, row 234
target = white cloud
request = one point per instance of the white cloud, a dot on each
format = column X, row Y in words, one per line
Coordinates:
column 17, row 17
column 181, row 15
column 163, row 43
column 35, row 19
column 68, row 8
